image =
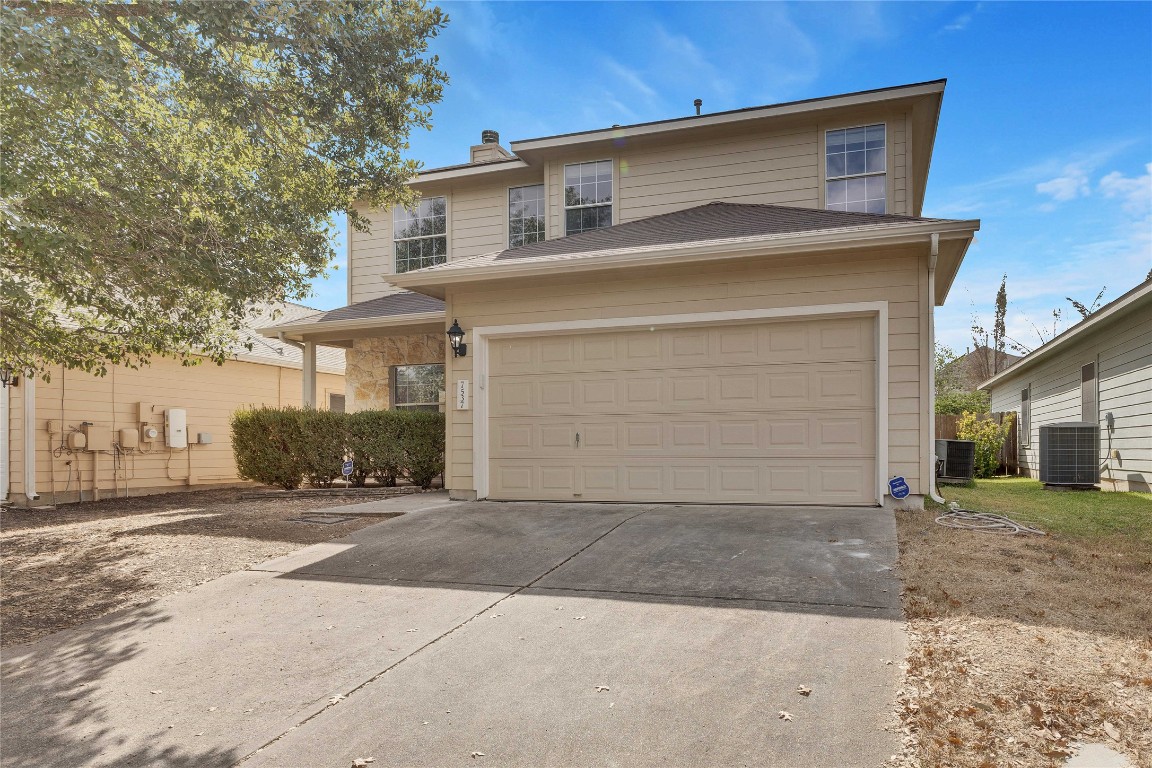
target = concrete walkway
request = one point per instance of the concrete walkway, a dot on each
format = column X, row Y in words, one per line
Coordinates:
column 535, row 634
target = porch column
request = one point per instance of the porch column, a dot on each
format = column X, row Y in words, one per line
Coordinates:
column 309, row 375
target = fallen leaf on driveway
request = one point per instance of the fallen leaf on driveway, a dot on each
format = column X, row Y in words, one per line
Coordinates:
column 581, row 618
column 335, row 699
column 785, row 716
column 477, row 754
column 497, row 615
column 213, row 709
column 602, row 689
column 803, row 690
column 157, row 691
column 411, row 630
column 1112, row 731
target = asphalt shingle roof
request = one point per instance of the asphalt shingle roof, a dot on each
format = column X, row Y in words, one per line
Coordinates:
column 399, row 303
column 712, row 221
column 276, row 351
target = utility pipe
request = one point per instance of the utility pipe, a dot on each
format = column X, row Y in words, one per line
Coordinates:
column 933, row 254
column 29, row 385
column 5, row 455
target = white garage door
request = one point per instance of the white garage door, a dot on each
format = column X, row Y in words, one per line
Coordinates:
column 771, row 412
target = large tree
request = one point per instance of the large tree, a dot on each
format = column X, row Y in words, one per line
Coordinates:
column 166, row 165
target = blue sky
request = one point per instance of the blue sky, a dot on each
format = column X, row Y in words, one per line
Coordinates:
column 1046, row 131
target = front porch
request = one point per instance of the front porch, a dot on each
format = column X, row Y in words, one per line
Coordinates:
column 392, row 344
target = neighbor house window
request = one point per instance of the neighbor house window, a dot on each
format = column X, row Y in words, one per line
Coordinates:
column 1088, row 404
column 418, row 387
column 587, row 196
column 525, row 215
column 419, row 235
column 855, row 167
column 1026, row 416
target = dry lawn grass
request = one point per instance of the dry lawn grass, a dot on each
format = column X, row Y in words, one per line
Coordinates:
column 1021, row 646
column 63, row 567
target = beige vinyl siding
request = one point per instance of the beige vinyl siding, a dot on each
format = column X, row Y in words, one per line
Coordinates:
column 209, row 393
column 1122, row 350
column 892, row 276
column 370, row 257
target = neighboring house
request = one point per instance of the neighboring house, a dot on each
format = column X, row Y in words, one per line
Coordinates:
column 45, row 419
column 1099, row 371
column 731, row 307
column 968, row 371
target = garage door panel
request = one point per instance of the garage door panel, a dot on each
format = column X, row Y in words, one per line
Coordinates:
column 776, row 433
column 784, row 481
column 771, row 412
column 848, row 339
column 715, row 390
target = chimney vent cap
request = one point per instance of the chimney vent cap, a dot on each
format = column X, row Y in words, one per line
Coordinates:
column 489, row 136
column 698, row 103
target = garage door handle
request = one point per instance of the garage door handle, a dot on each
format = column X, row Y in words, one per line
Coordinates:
column 577, row 439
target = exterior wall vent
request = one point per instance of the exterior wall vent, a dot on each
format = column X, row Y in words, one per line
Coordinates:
column 955, row 460
column 1068, row 454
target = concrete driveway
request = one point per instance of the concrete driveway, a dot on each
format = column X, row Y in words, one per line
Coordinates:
column 498, row 634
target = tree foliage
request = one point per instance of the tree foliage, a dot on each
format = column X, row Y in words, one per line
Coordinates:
column 165, row 165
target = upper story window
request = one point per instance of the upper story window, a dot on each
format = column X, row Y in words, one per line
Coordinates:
column 420, row 235
column 587, row 196
column 525, row 215
column 855, row 168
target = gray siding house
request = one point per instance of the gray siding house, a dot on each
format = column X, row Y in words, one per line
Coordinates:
column 1099, row 370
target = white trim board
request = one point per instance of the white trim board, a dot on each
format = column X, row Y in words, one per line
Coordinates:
column 482, row 334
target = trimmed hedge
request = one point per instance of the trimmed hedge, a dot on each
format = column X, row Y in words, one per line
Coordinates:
column 284, row 446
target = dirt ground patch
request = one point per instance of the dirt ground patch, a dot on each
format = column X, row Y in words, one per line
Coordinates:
column 1021, row 645
column 63, row 567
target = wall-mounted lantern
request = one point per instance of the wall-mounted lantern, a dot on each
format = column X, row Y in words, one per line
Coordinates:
column 456, row 339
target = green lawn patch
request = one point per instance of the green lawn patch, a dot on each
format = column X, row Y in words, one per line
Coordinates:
column 1078, row 514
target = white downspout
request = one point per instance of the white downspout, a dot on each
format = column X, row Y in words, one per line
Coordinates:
column 29, row 385
column 932, row 256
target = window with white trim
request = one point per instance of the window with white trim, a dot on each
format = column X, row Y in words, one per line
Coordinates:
column 525, row 215
column 418, row 387
column 587, row 196
column 420, row 235
column 855, row 169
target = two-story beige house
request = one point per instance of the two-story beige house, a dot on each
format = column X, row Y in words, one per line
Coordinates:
column 729, row 307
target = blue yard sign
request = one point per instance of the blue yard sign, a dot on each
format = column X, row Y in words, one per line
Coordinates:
column 346, row 470
column 898, row 487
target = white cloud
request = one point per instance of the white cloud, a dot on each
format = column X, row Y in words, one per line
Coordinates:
column 961, row 22
column 629, row 77
column 1069, row 186
column 1135, row 193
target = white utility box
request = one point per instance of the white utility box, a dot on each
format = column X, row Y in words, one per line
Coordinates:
column 176, row 428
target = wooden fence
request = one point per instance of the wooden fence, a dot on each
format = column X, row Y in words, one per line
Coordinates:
column 1009, row 455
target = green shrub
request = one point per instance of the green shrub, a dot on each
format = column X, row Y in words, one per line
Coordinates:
column 422, row 440
column 988, row 436
column 374, row 444
column 956, row 403
column 266, row 443
column 282, row 446
column 324, row 441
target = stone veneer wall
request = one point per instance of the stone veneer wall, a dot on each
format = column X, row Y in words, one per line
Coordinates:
column 367, row 364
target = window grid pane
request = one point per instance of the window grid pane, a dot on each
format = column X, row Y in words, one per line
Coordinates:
column 420, row 234
column 418, row 386
column 587, row 196
column 855, row 164
column 525, row 215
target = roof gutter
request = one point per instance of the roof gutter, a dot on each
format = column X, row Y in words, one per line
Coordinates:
column 711, row 250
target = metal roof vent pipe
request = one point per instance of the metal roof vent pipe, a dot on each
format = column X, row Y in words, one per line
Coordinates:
column 698, row 103
column 489, row 136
